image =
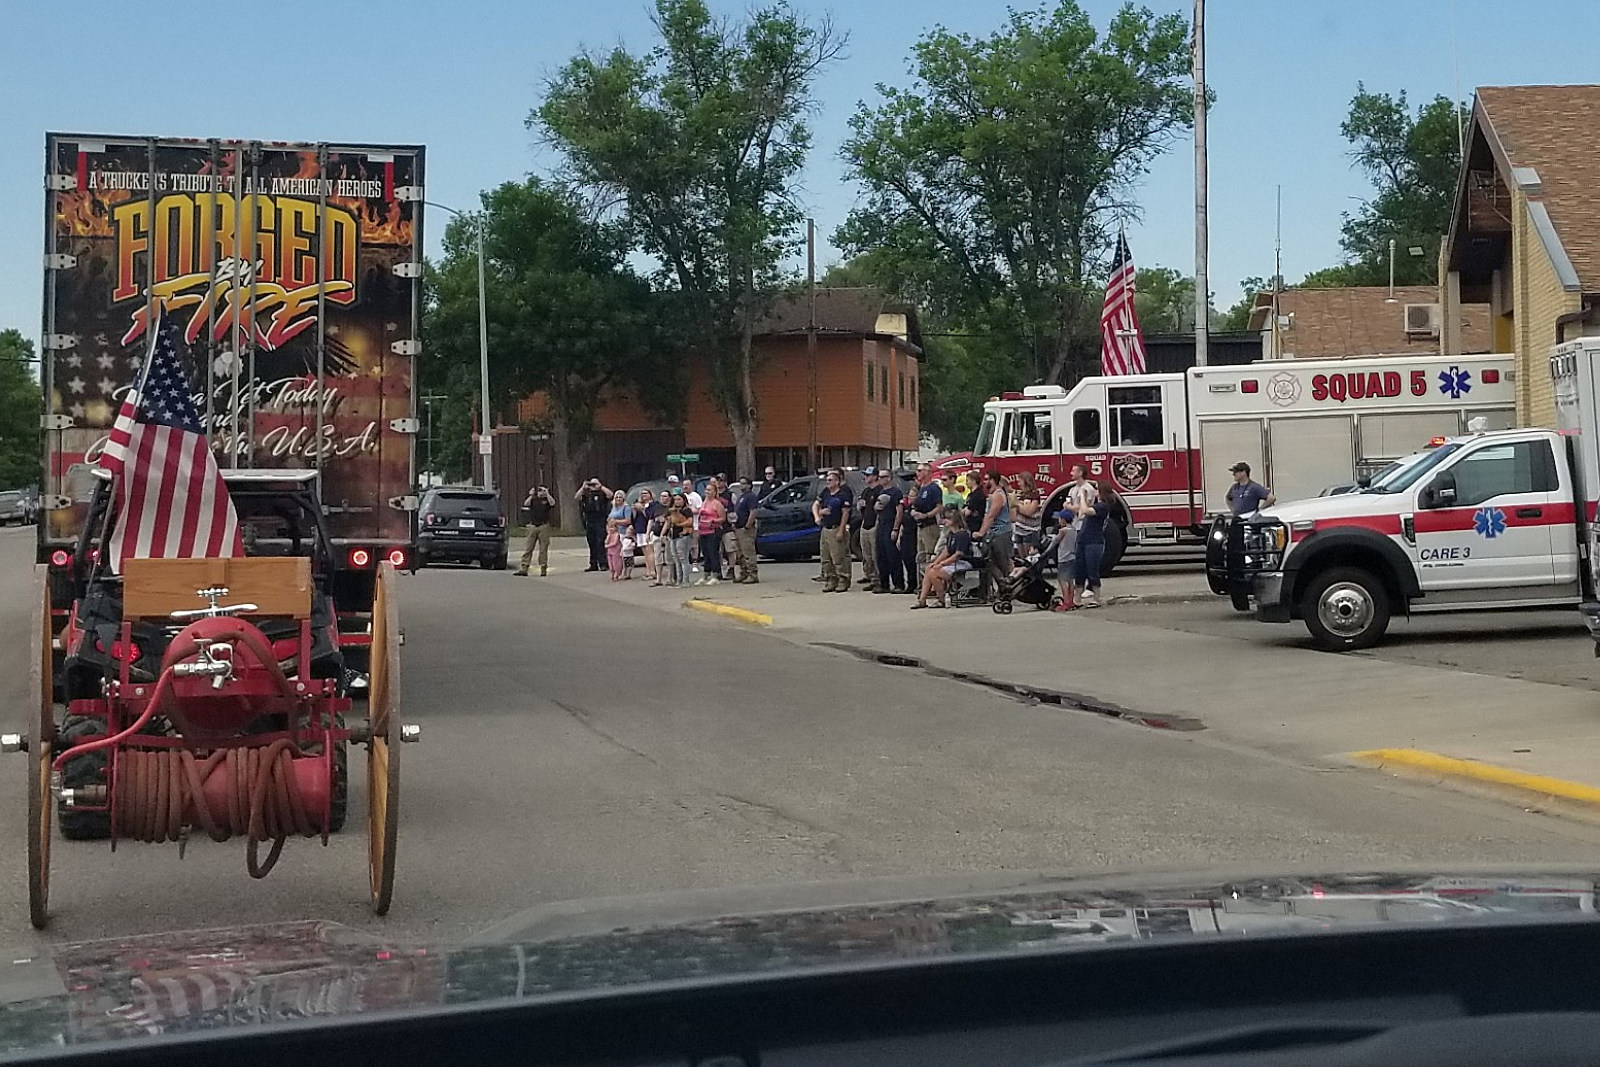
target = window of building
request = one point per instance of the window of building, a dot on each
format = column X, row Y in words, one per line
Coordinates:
column 872, row 376
column 902, row 381
column 1135, row 416
column 883, row 381
column 916, row 390
column 1086, row 429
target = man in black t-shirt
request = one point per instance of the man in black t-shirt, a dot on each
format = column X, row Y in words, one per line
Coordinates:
column 833, row 515
column 768, row 484
column 539, row 508
column 869, row 522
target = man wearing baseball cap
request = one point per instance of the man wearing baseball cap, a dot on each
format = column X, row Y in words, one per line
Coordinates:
column 1245, row 496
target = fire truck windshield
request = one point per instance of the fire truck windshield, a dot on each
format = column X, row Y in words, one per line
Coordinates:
column 1407, row 474
column 985, row 444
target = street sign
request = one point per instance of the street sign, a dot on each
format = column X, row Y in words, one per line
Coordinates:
column 685, row 457
column 485, row 446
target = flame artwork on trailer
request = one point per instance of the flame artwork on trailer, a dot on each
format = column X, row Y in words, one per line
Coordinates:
column 244, row 244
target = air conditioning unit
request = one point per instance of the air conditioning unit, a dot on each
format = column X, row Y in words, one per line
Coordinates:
column 1422, row 320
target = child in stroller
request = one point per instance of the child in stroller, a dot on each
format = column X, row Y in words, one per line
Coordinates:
column 1027, row 581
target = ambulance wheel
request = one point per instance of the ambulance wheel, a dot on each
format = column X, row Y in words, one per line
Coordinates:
column 1346, row 609
column 1239, row 596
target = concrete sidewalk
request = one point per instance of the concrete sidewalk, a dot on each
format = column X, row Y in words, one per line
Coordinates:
column 1298, row 703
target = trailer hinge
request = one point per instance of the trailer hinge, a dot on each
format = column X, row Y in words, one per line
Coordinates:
column 404, row 503
column 59, row 261
column 406, row 348
column 55, row 503
column 58, row 341
column 408, row 193
column 407, row 270
column 405, row 425
column 55, row 422
column 61, row 183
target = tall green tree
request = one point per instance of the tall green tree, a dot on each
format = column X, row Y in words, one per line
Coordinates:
column 567, row 317
column 700, row 142
column 20, row 408
column 1413, row 159
column 995, row 180
column 1164, row 300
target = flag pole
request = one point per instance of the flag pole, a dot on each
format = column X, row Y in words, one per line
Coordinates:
column 1202, row 289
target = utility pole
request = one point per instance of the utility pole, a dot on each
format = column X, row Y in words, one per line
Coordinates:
column 811, row 345
column 1202, row 288
column 487, row 428
column 1277, row 274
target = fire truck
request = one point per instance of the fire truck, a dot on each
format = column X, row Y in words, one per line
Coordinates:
column 1165, row 442
column 1486, row 521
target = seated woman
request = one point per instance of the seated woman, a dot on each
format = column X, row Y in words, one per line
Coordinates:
column 953, row 559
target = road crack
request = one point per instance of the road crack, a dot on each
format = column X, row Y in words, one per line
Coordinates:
column 585, row 720
column 1028, row 694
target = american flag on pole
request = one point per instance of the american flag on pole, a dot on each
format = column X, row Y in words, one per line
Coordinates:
column 1121, row 343
column 171, row 502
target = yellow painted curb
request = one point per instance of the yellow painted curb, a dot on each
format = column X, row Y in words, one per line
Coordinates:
column 754, row 618
column 1417, row 759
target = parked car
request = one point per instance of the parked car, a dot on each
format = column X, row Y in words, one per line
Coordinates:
column 461, row 524
column 14, row 508
column 657, row 486
column 787, row 531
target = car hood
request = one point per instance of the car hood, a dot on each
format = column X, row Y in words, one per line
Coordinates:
column 1344, row 506
column 175, row 983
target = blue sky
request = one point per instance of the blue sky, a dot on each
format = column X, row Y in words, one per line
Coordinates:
column 461, row 77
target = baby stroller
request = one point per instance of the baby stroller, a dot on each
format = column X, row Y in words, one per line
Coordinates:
column 1029, row 584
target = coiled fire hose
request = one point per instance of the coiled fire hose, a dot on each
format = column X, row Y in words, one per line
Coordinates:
column 156, row 788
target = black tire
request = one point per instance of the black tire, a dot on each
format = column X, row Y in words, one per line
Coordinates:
column 1116, row 545
column 81, row 771
column 1350, row 594
column 1239, row 596
column 498, row 564
column 1217, row 557
column 419, row 561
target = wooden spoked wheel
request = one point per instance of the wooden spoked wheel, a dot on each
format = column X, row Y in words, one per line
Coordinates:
column 41, row 731
column 383, row 747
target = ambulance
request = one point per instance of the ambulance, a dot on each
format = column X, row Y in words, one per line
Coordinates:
column 1165, row 442
column 1487, row 521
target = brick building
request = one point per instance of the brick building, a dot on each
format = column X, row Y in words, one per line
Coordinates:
column 1366, row 320
column 869, row 391
column 1525, row 233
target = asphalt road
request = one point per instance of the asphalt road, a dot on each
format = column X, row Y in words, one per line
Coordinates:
column 577, row 747
column 1539, row 646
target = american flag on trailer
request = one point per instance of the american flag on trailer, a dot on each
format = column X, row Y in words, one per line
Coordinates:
column 1121, row 343
column 171, row 502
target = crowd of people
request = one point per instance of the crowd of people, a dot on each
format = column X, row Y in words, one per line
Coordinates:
column 924, row 539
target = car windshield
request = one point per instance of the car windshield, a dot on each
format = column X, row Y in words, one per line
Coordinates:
column 447, row 503
column 386, row 323
column 1411, row 469
column 986, row 429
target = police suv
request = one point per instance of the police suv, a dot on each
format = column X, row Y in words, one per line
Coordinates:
column 1485, row 521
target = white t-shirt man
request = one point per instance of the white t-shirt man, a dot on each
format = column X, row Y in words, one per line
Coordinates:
column 694, row 499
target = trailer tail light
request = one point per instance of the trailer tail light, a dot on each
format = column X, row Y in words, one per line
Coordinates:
column 397, row 556
column 1249, row 385
column 360, row 557
column 1491, row 377
column 60, row 558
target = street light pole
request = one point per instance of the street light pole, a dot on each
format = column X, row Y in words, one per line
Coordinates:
column 483, row 346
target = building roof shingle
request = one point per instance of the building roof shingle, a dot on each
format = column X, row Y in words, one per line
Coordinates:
column 840, row 310
column 1551, row 128
column 1360, row 321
